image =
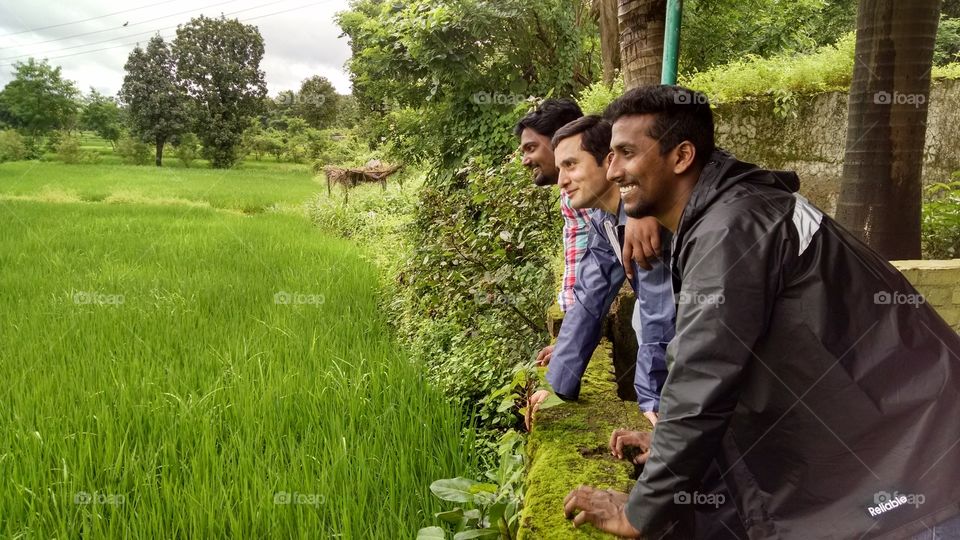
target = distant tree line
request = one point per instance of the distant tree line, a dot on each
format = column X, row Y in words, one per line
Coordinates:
column 205, row 89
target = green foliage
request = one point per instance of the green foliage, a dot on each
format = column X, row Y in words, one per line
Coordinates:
column 12, row 147
column 156, row 103
column 717, row 32
column 784, row 77
column 218, row 61
column 460, row 67
column 102, row 115
column 440, row 84
column 317, row 102
column 133, row 151
column 348, row 115
column 342, row 147
column 940, row 232
column 829, row 68
column 487, row 509
column 38, row 99
column 595, row 98
column 947, row 49
column 53, row 140
column 948, row 71
column 186, row 148
column 68, row 149
column 479, row 277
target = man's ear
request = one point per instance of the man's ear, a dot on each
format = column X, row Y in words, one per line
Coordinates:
column 685, row 154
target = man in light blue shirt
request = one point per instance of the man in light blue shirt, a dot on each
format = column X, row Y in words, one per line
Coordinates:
column 581, row 149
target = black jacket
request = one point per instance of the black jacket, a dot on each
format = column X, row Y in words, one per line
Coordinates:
column 807, row 367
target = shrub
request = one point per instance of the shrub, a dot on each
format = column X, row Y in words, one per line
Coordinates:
column 133, row 151
column 595, row 98
column 53, row 140
column 829, row 68
column 12, row 146
column 947, row 48
column 67, row 147
column 940, row 230
column 186, row 148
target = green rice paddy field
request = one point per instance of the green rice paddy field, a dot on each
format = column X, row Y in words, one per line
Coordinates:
column 183, row 355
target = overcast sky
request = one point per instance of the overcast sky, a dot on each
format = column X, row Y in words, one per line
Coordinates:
column 300, row 36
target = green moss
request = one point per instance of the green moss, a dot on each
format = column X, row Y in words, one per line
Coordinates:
column 568, row 447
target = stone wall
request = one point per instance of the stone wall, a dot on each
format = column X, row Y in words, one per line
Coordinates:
column 939, row 283
column 813, row 142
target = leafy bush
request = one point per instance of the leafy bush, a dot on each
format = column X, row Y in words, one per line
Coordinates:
column 949, row 71
column 947, row 49
column 829, row 68
column 12, row 146
column 53, row 140
column 716, row 33
column 186, row 148
column 940, row 231
column 133, row 151
column 67, row 147
column 489, row 509
column 595, row 98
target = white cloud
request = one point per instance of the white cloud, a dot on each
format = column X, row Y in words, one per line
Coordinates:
column 298, row 43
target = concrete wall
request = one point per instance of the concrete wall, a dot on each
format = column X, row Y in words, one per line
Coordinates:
column 939, row 283
column 813, row 142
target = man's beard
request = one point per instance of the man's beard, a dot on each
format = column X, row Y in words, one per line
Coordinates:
column 641, row 209
column 544, row 179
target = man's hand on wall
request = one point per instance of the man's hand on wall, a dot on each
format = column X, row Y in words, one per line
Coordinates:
column 543, row 357
column 641, row 242
column 604, row 509
column 621, row 439
column 533, row 404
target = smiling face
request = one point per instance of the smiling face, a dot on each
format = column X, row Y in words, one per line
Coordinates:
column 584, row 181
column 645, row 177
column 538, row 157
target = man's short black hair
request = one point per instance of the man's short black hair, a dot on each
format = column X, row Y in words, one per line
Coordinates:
column 550, row 116
column 595, row 137
column 681, row 115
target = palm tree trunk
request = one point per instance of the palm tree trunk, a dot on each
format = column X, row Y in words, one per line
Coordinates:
column 642, row 24
column 606, row 13
column 880, row 194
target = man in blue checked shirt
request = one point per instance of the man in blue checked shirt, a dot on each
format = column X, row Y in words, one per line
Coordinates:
column 581, row 149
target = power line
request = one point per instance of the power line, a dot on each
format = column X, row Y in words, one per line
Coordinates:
column 111, row 29
column 157, row 30
column 86, row 20
column 137, row 42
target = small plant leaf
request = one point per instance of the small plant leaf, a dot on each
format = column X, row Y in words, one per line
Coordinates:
column 453, row 489
column 431, row 533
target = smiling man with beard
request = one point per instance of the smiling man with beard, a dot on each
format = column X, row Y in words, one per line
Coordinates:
column 642, row 242
column 819, row 399
column 581, row 149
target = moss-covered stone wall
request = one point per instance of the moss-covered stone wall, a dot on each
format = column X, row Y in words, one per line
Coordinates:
column 809, row 136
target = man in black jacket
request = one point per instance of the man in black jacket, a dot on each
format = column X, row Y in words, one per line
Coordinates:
column 804, row 365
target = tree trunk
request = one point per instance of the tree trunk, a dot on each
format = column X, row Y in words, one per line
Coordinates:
column 642, row 24
column 606, row 13
column 159, row 151
column 880, row 194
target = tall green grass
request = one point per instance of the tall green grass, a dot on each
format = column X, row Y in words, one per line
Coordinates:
column 178, row 372
column 252, row 188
